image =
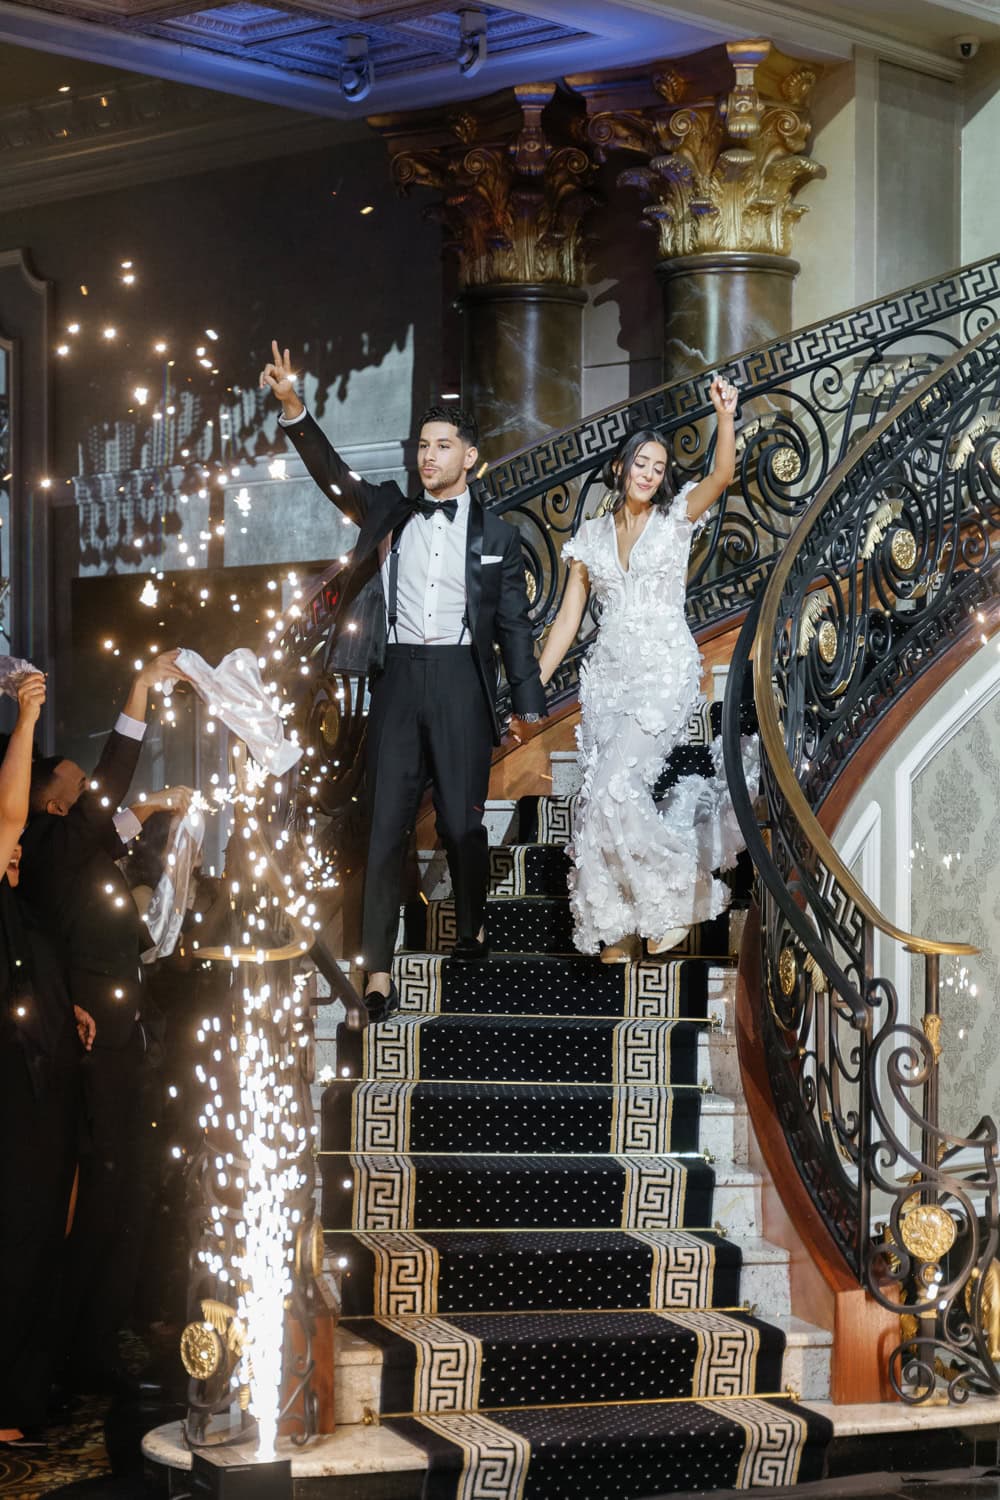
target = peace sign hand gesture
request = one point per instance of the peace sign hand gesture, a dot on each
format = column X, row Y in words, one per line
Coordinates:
column 278, row 374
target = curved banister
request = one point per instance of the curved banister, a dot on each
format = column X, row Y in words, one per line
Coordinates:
column 804, row 400
column 884, row 571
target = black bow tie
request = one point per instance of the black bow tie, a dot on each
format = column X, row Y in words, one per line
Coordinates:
column 425, row 507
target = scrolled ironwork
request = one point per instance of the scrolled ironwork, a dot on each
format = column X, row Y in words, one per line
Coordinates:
column 884, row 571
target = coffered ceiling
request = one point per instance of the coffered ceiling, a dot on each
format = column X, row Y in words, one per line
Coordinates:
column 294, row 52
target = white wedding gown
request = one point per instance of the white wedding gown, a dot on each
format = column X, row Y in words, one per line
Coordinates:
column 639, row 866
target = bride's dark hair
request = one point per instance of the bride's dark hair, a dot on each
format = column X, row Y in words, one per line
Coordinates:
column 619, row 465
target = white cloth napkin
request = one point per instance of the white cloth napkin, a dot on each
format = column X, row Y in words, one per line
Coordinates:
column 234, row 693
column 169, row 901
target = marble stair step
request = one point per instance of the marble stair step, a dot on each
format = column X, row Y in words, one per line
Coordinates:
column 467, row 1361
column 632, row 1353
column 571, row 984
column 380, row 1116
column 431, row 1273
column 542, row 1049
column 434, row 1273
column 515, row 870
column 538, row 1192
column 539, row 925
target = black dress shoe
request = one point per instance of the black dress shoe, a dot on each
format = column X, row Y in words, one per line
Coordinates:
column 381, row 1007
column 470, row 950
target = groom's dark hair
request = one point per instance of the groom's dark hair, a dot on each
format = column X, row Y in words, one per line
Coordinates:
column 458, row 417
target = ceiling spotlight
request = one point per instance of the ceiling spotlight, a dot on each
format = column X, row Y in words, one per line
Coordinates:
column 473, row 43
column 356, row 72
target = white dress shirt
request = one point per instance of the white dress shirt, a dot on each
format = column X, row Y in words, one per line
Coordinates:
column 431, row 585
column 430, row 591
column 127, row 825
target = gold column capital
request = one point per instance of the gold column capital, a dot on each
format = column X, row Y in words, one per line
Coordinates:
column 724, row 135
column 514, row 186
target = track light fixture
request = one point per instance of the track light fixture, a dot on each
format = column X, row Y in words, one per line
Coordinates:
column 356, row 72
column 473, row 43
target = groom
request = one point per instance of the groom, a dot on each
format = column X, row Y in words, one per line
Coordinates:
column 453, row 583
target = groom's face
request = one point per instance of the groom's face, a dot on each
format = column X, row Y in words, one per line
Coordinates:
column 444, row 459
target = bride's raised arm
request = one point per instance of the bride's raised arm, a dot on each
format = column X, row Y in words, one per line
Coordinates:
column 567, row 622
column 705, row 493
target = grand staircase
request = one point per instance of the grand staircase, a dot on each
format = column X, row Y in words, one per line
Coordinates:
column 539, row 1201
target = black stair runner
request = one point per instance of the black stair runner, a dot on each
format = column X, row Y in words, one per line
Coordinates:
column 517, row 1188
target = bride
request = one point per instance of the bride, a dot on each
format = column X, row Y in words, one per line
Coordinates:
column 642, row 869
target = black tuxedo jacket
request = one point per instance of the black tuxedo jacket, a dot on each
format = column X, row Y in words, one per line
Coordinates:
column 67, row 867
column 496, row 595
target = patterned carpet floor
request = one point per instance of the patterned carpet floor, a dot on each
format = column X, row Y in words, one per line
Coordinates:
column 518, row 1184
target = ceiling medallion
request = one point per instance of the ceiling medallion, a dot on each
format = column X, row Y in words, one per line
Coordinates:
column 788, row 970
column 927, row 1231
column 903, row 548
column 826, row 641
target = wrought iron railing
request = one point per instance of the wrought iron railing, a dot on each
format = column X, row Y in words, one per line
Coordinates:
column 805, row 400
column 888, row 567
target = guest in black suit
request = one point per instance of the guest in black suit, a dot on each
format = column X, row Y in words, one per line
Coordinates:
column 38, row 1056
column 454, row 589
column 71, row 881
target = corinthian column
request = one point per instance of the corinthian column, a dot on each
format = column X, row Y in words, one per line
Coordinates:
column 722, row 138
column 513, row 197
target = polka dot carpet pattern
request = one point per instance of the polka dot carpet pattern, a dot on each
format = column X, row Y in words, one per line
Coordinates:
column 549, row 1049
column 432, row 1273
column 491, row 1360
column 428, row 984
column 510, row 1117
column 615, row 1452
column 516, row 1186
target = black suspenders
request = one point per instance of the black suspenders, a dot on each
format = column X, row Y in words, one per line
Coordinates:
column 392, row 600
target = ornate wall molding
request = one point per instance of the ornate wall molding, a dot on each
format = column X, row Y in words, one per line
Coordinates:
column 516, row 189
column 723, row 136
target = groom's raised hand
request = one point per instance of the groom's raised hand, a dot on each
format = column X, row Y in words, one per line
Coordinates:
column 278, row 374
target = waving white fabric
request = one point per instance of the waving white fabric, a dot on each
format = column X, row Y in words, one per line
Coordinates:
column 640, row 866
column 169, row 902
column 234, row 693
column 13, row 670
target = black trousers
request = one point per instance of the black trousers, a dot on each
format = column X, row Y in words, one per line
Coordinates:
column 428, row 720
column 118, row 1185
column 38, row 1144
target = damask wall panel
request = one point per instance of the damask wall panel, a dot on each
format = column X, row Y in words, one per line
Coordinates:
column 937, row 790
column 918, row 122
column 955, row 888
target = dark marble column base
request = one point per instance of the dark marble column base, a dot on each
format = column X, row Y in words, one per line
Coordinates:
column 522, row 363
column 716, row 305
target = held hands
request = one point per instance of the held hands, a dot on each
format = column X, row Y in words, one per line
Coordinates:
column 31, row 696
column 86, row 1027
column 725, row 397
column 519, row 731
column 278, row 374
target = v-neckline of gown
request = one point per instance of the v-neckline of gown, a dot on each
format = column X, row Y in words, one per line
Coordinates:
column 625, row 571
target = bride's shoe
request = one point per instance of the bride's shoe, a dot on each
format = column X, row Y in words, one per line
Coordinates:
column 627, row 950
column 669, row 940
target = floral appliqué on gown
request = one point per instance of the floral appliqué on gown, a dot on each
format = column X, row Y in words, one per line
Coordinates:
column 639, row 866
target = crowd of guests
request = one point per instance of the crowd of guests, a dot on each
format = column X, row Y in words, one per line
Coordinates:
column 81, row 1050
